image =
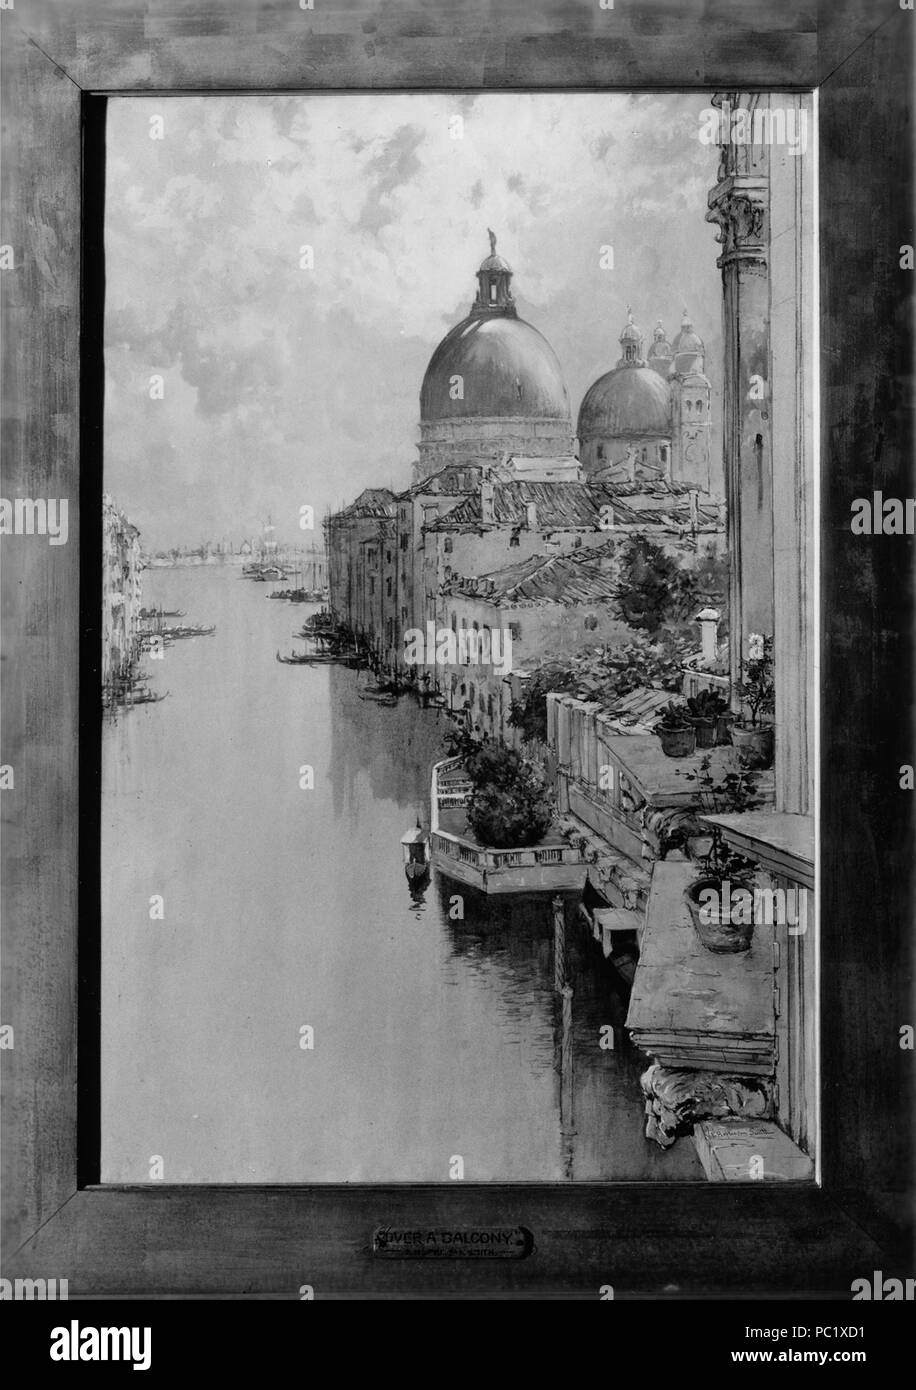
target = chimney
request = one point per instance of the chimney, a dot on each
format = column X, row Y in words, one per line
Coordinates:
column 694, row 515
column 531, row 515
column 708, row 619
column 487, row 510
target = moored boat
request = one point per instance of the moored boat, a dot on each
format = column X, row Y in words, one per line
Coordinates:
column 415, row 849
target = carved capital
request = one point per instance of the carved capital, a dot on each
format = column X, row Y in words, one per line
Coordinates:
column 739, row 205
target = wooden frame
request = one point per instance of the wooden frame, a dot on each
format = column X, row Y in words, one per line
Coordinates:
column 250, row 1242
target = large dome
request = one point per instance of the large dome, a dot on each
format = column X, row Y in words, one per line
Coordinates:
column 506, row 368
column 626, row 401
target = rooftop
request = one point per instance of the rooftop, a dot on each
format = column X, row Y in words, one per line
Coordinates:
column 582, row 577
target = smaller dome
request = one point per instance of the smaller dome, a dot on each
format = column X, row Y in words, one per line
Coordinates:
column 630, row 400
column 687, row 340
column 496, row 263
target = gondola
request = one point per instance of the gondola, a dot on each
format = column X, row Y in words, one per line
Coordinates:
column 377, row 696
column 415, row 848
column 306, row 659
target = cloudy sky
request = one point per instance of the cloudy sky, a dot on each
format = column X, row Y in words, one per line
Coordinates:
column 283, row 385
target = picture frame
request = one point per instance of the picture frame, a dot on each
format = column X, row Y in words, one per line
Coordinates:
column 61, row 62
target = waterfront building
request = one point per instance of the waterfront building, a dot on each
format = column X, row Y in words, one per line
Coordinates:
column 121, row 594
column 353, row 538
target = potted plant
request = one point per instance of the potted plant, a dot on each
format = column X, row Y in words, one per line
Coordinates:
column 678, row 736
column 705, row 710
column 721, row 899
column 756, row 691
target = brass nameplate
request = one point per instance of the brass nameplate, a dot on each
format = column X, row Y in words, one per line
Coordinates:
column 453, row 1243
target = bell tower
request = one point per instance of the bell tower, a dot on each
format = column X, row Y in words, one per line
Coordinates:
column 690, row 397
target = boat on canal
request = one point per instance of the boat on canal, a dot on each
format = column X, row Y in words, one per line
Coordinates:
column 415, row 849
column 307, row 658
column 377, row 695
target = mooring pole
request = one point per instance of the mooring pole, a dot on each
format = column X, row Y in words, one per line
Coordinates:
column 559, row 945
column 567, row 1119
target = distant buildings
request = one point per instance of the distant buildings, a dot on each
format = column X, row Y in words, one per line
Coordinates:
column 121, row 594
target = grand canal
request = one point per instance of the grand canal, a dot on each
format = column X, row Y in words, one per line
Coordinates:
column 286, row 920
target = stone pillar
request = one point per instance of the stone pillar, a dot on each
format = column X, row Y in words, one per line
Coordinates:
column 792, row 272
column 739, row 204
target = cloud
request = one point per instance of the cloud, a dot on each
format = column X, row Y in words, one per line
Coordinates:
column 287, row 378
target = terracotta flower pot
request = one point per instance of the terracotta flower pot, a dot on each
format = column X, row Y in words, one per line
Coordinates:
column 677, row 743
column 711, row 920
column 705, row 730
column 724, row 723
column 756, row 744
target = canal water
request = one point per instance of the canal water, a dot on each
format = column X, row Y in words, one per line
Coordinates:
column 275, row 1006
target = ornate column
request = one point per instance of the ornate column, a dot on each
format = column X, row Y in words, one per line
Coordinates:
column 739, row 204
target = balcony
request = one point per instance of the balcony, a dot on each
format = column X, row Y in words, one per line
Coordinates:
column 551, row 866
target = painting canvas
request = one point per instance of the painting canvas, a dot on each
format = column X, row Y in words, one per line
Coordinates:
column 457, row 679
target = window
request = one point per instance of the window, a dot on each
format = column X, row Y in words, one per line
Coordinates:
column 387, row 557
column 699, row 406
column 404, row 540
column 371, row 585
column 388, row 587
column 403, row 615
column 663, row 453
column 601, row 451
column 449, row 545
column 492, row 291
column 514, row 538
column 515, row 631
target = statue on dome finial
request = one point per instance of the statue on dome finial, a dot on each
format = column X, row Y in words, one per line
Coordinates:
column 492, row 235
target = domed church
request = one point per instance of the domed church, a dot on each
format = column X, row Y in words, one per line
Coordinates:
column 649, row 418
column 493, row 387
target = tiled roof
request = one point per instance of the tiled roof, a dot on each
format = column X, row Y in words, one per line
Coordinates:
column 559, row 505
column 577, row 506
column 372, row 501
column 583, row 577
